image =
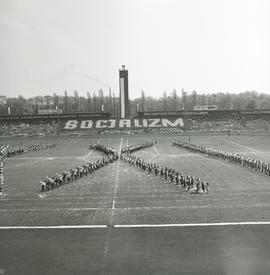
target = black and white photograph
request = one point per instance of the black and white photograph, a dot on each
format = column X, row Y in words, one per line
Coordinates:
column 134, row 137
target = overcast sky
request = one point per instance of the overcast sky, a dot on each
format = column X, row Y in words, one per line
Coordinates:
column 210, row 46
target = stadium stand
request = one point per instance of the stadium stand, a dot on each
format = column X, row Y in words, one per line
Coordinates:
column 79, row 123
column 24, row 129
column 40, row 124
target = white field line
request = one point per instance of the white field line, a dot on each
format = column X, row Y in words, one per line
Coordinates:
column 126, row 200
column 243, row 146
column 55, row 226
column 182, row 155
column 65, row 194
column 133, row 225
column 21, row 196
column 54, row 158
column 156, row 158
column 56, row 198
column 44, row 158
column 255, row 205
column 176, row 155
column 189, row 224
column 258, row 205
column 53, row 209
column 262, row 189
column 179, row 195
column 106, row 249
column 64, row 203
column 117, row 177
column 155, row 149
column 89, row 154
column 120, row 148
column 30, row 163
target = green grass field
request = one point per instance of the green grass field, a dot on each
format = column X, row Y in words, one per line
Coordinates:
column 120, row 194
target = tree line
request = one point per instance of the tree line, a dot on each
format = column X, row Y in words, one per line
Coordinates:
column 98, row 102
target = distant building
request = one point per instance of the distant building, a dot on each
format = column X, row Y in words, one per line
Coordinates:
column 205, row 107
column 3, row 100
column 123, row 87
column 49, row 111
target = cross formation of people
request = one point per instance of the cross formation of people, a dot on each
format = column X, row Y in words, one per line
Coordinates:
column 72, row 174
column 188, row 183
column 236, row 158
column 102, row 148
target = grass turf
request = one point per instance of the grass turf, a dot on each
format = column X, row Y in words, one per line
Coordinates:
column 122, row 194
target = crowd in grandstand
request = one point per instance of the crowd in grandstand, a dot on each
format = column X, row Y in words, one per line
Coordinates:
column 235, row 125
column 70, row 175
column 189, row 183
column 25, row 129
column 33, row 147
column 245, row 161
column 192, row 123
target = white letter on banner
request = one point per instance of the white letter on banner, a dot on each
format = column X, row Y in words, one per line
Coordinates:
column 124, row 123
column 100, row 122
column 144, row 122
column 112, row 121
column 178, row 122
column 154, row 122
column 137, row 123
column 86, row 124
column 71, row 124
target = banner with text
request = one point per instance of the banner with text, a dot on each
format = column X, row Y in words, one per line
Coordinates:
column 111, row 124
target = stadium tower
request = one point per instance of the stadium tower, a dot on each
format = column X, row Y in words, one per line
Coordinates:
column 123, row 86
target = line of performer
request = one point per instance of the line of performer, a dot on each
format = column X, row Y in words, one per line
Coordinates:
column 3, row 157
column 189, row 183
column 12, row 151
column 133, row 148
column 102, row 148
column 70, row 175
column 236, row 158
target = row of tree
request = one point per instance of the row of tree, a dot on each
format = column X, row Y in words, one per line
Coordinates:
column 110, row 103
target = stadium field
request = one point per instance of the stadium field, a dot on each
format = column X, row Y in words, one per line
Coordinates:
column 120, row 220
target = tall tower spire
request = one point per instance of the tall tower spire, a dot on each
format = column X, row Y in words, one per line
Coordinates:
column 123, row 87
